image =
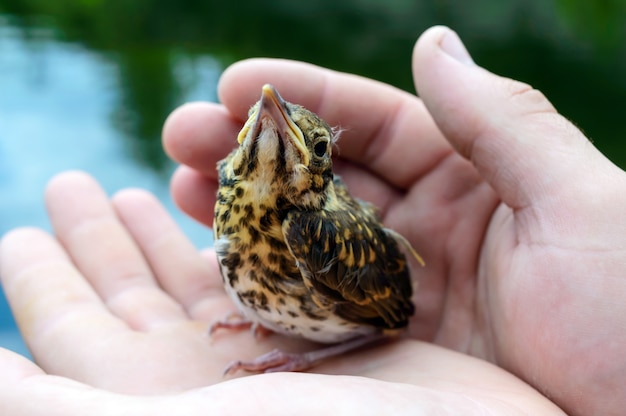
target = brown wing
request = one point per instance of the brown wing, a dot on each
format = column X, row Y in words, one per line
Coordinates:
column 351, row 264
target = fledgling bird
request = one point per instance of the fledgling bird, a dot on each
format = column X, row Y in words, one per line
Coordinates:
column 299, row 255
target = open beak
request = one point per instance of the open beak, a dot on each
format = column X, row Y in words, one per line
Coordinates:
column 274, row 107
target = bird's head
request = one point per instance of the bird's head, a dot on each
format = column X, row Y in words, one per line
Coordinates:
column 285, row 152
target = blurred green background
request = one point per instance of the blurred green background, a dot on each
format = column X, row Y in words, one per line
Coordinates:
column 88, row 83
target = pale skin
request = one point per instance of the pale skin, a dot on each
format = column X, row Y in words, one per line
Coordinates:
column 519, row 218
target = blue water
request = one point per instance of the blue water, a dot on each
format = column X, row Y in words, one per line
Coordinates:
column 56, row 102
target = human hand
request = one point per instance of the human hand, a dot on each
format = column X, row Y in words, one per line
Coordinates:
column 517, row 215
column 115, row 311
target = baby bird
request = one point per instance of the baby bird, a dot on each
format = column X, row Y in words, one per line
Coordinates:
column 298, row 254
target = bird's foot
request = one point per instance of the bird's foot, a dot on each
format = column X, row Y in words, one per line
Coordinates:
column 236, row 321
column 271, row 362
column 277, row 360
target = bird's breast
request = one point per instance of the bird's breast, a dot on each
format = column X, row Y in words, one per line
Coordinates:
column 261, row 275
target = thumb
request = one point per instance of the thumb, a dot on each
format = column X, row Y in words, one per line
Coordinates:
column 510, row 131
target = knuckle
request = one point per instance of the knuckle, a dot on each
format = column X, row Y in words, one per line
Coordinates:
column 530, row 100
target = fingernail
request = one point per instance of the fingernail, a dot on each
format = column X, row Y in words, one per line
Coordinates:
column 451, row 44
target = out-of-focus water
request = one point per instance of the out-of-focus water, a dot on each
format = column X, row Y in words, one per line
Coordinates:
column 56, row 104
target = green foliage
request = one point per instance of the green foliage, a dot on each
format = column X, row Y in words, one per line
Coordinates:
column 600, row 20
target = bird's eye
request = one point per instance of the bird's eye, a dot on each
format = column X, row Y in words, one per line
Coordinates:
column 320, row 148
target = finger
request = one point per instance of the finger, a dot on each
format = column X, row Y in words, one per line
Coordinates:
column 54, row 307
column 438, row 386
column 385, row 129
column 194, row 193
column 26, row 391
column 510, row 131
column 105, row 253
column 15, row 367
column 200, row 134
column 190, row 278
column 49, row 396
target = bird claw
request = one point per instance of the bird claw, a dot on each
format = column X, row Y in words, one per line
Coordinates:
column 272, row 362
column 277, row 360
column 233, row 320
column 236, row 321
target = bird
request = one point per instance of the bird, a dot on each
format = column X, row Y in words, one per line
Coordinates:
column 298, row 254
